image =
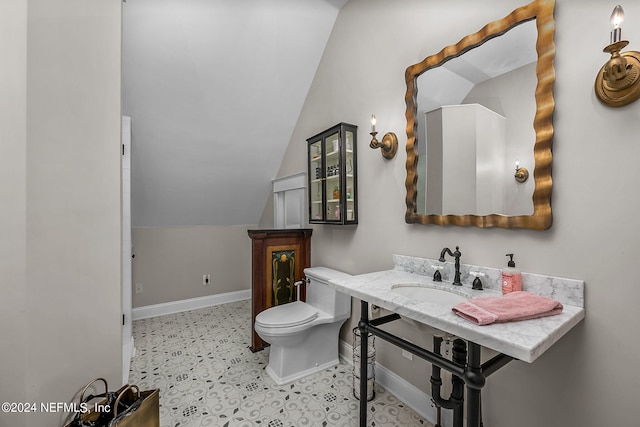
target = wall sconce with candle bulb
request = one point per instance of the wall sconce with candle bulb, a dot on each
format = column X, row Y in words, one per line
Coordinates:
column 389, row 145
column 522, row 174
column 618, row 81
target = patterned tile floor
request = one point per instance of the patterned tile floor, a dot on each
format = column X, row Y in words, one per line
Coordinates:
column 207, row 376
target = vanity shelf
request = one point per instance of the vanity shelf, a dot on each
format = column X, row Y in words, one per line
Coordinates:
column 332, row 176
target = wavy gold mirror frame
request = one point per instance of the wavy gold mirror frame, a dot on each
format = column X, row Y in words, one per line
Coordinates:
column 542, row 12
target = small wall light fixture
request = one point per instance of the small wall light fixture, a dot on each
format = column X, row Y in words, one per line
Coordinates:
column 618, row 81
column 389, row 145
column 522, row 174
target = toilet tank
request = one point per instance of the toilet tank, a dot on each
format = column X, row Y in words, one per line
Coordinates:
column 323, row 297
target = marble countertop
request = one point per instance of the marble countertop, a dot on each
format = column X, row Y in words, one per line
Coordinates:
column 523, row 340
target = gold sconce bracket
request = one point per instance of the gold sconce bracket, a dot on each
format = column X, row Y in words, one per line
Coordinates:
column 521, row 175
column 389, row 145
column 618, row 81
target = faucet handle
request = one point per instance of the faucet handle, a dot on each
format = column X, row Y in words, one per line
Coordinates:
column 477, row 283
column 437, row 276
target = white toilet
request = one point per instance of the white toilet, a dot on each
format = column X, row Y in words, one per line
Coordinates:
column 304, row 336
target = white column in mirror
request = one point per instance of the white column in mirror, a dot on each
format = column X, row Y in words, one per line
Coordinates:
column 465, row 167
column 490, row 156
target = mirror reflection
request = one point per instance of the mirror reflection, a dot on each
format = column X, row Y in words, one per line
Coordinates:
column 475, row 121
column 479, row 126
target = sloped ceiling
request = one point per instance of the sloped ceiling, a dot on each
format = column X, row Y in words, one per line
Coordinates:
column 452, row 82
column 214, row 89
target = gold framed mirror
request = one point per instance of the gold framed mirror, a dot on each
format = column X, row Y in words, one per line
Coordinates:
column 539, row 15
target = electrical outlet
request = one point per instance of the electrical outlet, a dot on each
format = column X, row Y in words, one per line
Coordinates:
column 406, row 354
column 139, row 288
column 206, row 279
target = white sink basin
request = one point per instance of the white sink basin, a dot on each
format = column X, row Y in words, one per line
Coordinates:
column 426, row 294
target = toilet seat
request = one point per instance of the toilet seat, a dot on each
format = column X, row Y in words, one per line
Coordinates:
column 287, row 315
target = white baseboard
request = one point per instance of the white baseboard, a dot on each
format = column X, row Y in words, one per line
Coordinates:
column 345, row 352
column 409, row 394
column 188, row 304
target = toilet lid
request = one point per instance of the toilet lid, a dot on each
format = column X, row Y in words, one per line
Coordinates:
column 287, row 315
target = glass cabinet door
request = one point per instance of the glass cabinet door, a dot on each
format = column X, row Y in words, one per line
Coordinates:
column 332, row 176
column 316, row 181
column 350, row 177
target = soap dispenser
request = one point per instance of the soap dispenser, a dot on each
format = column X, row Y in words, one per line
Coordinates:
column 511, row 277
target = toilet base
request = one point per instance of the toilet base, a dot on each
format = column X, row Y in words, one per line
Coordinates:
column 298, row 356
column 295, row 377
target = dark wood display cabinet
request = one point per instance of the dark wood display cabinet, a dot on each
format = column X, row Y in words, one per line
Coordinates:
column 278, row 260
column 332, row 171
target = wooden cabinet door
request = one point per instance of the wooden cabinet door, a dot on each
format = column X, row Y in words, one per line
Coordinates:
column 278, row 259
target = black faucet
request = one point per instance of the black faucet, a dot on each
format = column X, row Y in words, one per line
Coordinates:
column 457, row 254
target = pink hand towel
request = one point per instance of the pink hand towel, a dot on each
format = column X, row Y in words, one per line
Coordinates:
column 511, row 307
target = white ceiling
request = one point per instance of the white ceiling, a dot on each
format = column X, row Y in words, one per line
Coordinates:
column 214, row 89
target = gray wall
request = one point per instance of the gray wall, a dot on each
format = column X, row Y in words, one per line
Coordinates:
column 60, row 312
column 170, row 262
column 13, row 213
column 588, row 378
